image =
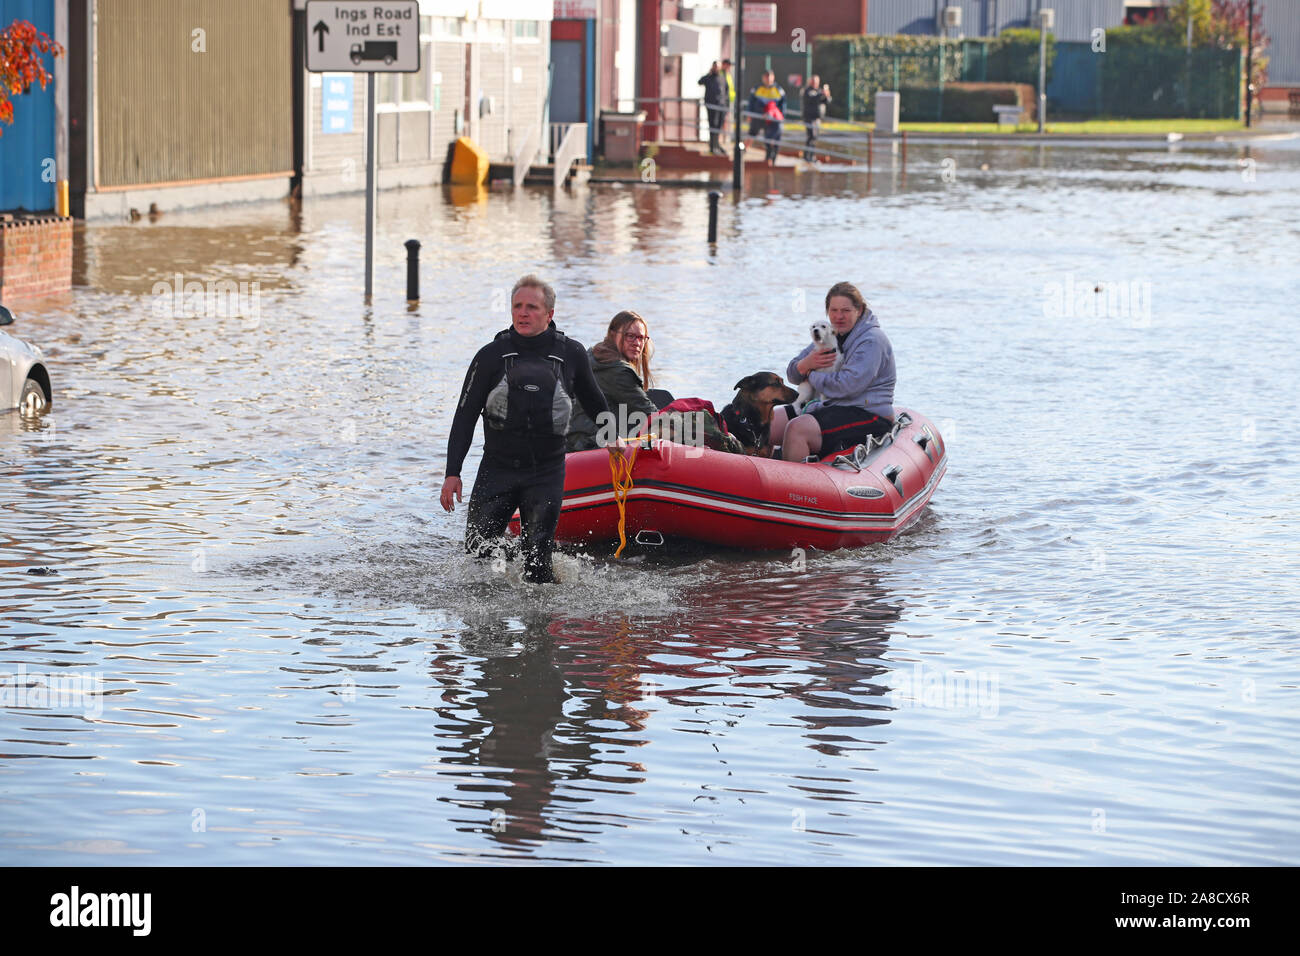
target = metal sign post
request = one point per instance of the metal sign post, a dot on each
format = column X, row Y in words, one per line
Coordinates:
column 364, row 36
column 738, row 147
column 371, row 131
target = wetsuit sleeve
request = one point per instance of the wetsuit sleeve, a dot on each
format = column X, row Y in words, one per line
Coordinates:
column 584, row 383
column 473, row 396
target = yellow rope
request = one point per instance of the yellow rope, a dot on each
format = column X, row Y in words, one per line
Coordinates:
column 620, row 470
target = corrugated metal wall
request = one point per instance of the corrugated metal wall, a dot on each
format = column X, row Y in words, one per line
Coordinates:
column 1282, row 24
column 448, row 93
column 1075, row 19
column 491, row 129
column 529, row 94
column 169, row 111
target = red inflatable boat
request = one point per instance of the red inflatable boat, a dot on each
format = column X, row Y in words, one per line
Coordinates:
column 677, row 491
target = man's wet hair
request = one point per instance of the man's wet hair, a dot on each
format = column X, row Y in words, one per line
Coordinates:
column 532, row 281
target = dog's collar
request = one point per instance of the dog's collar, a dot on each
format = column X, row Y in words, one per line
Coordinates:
column 758, row 428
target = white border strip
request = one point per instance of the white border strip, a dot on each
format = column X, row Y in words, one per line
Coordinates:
column 873, row 520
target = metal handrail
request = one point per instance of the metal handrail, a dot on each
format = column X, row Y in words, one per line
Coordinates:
column 557, row 136
column 572, row 148
column 527, row 153
column 680, row 123
column 688, row 129
column 818, row 146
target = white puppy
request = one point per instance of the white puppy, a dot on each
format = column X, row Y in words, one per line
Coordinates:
column 823, row 337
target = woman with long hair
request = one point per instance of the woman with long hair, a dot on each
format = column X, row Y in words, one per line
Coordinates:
column 622, row 366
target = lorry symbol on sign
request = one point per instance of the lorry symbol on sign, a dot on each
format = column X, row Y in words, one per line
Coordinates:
column 385, row 50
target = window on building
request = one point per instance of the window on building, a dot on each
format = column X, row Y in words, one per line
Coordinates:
column 526, row 28
column 1137, row 14
column 415, row 86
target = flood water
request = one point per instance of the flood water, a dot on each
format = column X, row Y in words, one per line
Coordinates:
column 260, row 642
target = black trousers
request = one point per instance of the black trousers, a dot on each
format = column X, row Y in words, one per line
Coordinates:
column 773, row 144
column 717, row 113
column 813, row 127
column 537, row 490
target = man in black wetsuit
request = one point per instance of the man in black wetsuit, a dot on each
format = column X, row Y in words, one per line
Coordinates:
column 522, row 383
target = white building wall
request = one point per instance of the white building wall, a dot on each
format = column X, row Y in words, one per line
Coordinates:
column 414, row 134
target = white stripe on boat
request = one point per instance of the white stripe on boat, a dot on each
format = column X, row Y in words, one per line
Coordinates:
column 837, row 520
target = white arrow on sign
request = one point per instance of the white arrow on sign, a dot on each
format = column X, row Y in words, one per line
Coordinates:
column 363, row 36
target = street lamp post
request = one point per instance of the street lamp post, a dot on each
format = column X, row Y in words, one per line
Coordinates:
column 1250, row 51
column 1045, row 20
column 738, row 147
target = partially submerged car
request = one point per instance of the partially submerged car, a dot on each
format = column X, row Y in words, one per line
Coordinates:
column 24, row 381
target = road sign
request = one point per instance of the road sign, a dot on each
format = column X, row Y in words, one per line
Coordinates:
column 759, row 17
column 336, row 104
column 363, row 36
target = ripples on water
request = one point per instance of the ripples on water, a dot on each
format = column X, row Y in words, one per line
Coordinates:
column 263, row 645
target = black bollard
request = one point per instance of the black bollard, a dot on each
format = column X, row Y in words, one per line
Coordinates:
column 714, row 196
column 412, row 270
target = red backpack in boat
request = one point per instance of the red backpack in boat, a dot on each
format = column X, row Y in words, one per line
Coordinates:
column 708, row 423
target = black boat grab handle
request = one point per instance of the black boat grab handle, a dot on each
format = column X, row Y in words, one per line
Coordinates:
column 893, row 473
column 924, row 440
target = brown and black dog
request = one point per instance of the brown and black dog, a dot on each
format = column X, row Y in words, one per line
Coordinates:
column 749, row 416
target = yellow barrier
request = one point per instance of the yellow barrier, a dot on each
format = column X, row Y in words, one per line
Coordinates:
column 469, row 163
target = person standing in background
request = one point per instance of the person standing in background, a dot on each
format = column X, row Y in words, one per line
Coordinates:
column 815, row 97
column 731, row 92
column 715, row 102
column 766, row 108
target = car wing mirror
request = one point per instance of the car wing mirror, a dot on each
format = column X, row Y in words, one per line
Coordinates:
column 6, row 317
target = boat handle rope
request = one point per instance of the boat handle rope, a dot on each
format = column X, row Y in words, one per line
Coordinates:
column 620, row 471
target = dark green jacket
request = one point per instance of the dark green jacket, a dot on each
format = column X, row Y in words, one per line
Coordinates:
column 624, row 393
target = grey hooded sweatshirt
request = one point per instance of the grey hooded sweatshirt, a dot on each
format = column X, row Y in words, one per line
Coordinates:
column 866, row 376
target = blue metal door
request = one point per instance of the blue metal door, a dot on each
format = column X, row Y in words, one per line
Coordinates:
column 566, row 89
column 27, row 173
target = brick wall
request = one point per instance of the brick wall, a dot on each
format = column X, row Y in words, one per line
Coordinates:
column 35, row 257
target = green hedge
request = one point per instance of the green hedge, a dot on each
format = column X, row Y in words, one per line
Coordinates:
column 959, row 103
column 1013, row 57
column 921, row 62
column 882, row 63
column 1153, row 81
column 1136, row 36
column 1135, row 77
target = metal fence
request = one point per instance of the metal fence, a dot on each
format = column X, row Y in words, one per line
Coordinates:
column 676, row 119
column 1139, row 82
